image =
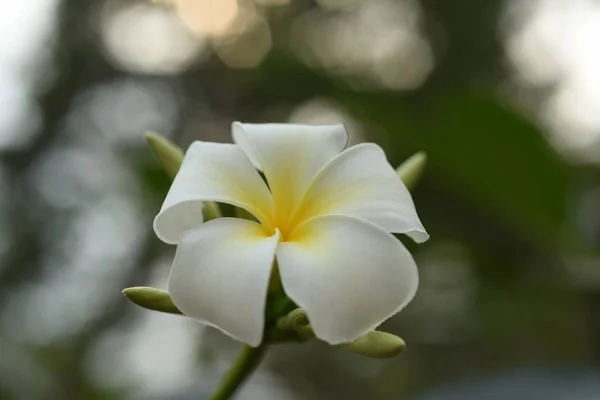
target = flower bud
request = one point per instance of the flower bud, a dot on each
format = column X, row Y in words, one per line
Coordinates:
column 293, row 326
column 376, row 344
column 410, row 171
column 171, row 156
column 298, row 321
column 152, row 299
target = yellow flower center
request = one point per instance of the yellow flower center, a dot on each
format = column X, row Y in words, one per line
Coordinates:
column 286, row 215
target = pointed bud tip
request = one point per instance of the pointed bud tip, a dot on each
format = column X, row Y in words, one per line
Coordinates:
column 140, row 289
column 410, row 171
column 169, row 154
column 170, row 157
column 155, row 140
column 151, row 298
column 131, row 291
column 149, row 136
column 419, row 158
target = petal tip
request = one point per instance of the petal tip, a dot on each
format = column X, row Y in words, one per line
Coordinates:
column 157, row 230
column 419, row 236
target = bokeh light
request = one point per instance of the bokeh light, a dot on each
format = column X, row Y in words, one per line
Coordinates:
column 207, row 17
column 247, row 45
column 145, row 38
column 375, row 43
column 118, row 111
column 19, row 69
column 553, row 46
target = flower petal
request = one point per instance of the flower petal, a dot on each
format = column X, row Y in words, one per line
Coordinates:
column 211, row 172
column 348, row 274
column 221, row 274
column 289, row 155
column 360, row 182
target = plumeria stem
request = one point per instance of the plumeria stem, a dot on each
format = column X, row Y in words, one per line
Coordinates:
column 244, row 365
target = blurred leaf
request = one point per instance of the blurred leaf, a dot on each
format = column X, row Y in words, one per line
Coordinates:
column 499, row 160
column 485, row 152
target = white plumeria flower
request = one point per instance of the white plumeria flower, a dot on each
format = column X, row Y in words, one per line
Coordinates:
column 327, row 216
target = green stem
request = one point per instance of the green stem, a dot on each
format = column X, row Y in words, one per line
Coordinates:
column 244, row 365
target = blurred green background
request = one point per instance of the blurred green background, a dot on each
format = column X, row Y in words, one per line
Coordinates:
column 504, row 96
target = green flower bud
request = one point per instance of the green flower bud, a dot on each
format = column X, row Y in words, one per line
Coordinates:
column 152, row 299
column 298, row 322
column 410, row 171
column 376, row 344
column 294, row 326
column 171, row 156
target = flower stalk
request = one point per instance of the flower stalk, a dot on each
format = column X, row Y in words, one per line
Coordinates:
column 244, row 365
